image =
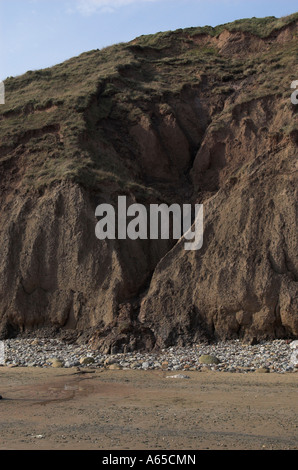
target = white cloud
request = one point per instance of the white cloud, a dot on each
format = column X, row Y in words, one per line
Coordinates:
column 88, row 7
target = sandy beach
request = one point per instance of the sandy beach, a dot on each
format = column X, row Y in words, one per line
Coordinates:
column 64, row 409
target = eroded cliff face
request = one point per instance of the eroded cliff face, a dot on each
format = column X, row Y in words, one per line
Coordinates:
column 56, row 273
column 216, row 138
column 243, row 282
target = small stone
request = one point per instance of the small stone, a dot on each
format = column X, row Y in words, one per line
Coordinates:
column 109, row 361
column 178, row 376
column 262, row 370
column 85, row 361
column 245, row 369
column 208, row 359
column 69, row 364
column 125, row 365
column 205, row 368
column 56, row 363
column 114, row 367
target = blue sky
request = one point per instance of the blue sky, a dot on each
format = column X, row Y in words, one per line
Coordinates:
column 36, row 34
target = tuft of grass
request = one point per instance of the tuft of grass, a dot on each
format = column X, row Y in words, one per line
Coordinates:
column 262, row 27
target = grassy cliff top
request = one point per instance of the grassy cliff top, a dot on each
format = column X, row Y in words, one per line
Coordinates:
column 51, row 115
column 261, row 27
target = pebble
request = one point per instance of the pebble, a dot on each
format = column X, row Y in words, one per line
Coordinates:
column 114, row 367
column 85, row 361
column 56, row 363
column 229, row 356
column 208, row 359
column 263, row 370
column 178, row 376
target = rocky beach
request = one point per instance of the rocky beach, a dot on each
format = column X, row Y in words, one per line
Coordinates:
column 231, row 356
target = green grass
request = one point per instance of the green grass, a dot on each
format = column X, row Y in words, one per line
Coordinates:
column 261, row 27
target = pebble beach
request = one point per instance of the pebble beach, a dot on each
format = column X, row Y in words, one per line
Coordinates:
column 278, row 356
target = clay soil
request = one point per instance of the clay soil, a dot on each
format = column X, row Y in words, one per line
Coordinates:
column 134, row 410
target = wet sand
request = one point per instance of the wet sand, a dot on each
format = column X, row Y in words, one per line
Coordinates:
column 129, row 410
